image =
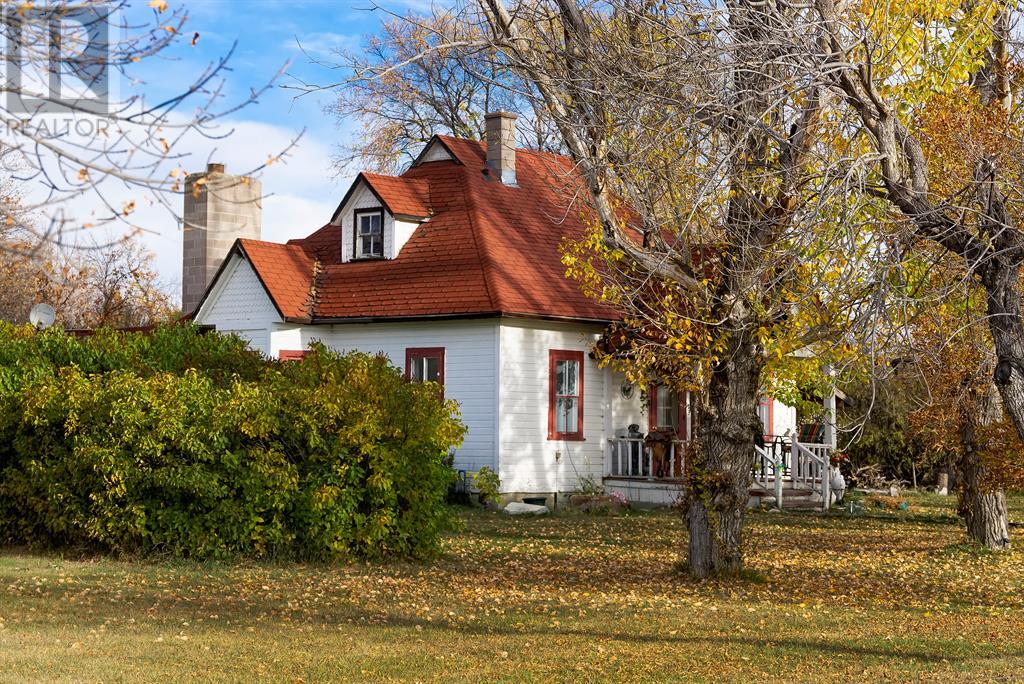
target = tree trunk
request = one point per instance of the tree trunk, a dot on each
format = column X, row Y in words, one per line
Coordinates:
column 984, row 510
column 718, row 484
column 1003, row 298
column 719, row 478
column 1000, row 274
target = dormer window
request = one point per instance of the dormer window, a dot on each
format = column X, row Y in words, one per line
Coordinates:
column 369, row 237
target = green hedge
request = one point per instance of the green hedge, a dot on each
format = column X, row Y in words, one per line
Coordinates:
column 187, row 444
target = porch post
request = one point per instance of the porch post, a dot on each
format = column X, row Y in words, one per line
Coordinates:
column 826, row 489
column 829, row 405
column 778, row 480
column 689, row 417
column 830, row 440
column 608, row 421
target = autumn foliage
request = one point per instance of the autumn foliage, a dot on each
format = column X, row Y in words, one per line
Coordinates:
column 190, row 445
column 956, row 363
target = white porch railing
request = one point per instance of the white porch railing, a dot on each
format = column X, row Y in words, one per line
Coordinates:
column 768, row 471
column 803, row 466
column 633, row 457
column 810, row 466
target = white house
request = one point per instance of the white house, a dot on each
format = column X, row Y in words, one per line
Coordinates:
column 453, row 270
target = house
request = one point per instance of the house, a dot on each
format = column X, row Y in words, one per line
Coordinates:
column 453, row 270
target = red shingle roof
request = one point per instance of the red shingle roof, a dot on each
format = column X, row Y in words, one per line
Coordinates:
column 402, row 196
column 285, row 271
column 487, row 248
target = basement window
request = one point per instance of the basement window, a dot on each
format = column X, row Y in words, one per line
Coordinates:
column 369, row 234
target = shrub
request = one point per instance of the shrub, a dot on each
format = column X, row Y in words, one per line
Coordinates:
column 373, row 450
column 487, row 484
column 190, row 445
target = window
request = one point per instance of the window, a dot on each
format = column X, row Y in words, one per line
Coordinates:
column 666, row 411
column 369, row 238
column 764, row 413
column 565, row 399
column 425, row 364
column 291, row 354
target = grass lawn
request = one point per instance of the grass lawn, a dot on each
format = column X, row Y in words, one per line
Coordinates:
column 566, row 598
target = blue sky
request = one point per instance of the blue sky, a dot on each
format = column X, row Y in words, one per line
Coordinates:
column 303, row 190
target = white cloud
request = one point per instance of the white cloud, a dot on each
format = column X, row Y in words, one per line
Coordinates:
column 300, row 188
column 300, row 191
column 323, row 45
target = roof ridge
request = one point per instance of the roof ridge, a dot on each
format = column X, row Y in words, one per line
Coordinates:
column 520, row 149
column 292, row 242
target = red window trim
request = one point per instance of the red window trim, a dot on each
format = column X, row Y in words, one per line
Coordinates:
column 425, row 352
column 291, row 354
column 555, row 355
column 770, row 403
column 652, row 411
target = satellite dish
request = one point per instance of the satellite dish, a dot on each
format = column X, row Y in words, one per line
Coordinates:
column 42, row 316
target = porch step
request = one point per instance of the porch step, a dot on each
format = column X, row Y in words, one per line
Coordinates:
column 792, row 498
column 803, row 504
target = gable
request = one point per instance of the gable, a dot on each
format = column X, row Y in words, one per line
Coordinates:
column 397, row 227
column 435, row 151
column 359, row 196
column 238, row 300
column 362, row 197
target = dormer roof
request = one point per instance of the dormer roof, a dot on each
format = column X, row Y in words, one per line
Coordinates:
column 407, row 198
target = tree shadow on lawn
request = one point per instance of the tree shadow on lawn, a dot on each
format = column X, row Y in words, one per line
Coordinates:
column 940, row 654
column 176, row 597
column 841, row 520
column 265, row 612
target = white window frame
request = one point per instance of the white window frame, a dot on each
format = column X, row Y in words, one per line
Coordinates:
column 358, row 251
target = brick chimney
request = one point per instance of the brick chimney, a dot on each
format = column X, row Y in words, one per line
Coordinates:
column 219, row 208
column 501, row 145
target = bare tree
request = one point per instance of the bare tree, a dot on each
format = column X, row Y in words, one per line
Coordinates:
column 424, row 75
column 699, row 135
column 85, row 157
column 113, row 286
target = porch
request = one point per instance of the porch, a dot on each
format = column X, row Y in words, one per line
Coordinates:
column 785, row 472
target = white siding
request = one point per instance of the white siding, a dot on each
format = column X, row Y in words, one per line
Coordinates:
column 783, row 419
column 469, row 374
column 287, row 337
column 239, row 304
column 403, row 230
column 528, row 460
column 625, row 412
column 435, row 152
column 362, row 198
